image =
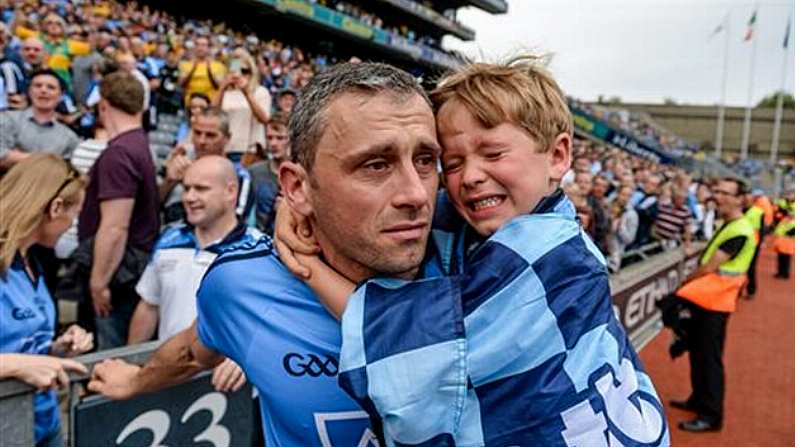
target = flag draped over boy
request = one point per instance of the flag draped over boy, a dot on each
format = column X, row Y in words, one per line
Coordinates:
column 519, row 346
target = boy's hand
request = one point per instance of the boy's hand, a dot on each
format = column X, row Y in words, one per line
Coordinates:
column 292, row 234
column 228, row 377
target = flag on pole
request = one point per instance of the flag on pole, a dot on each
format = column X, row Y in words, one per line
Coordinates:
column 751, row 23
column 786, row 33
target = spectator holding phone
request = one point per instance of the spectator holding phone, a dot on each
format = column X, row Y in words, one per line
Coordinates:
column 246, row 102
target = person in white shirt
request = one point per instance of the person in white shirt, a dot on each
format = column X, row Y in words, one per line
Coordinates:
column 247, row 103
column 182, row 255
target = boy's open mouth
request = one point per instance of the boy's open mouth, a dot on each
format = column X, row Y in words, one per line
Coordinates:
column 484, row 203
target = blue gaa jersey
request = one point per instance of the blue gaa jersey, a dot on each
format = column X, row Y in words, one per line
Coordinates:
column 27, row 326
column 519, row 346
column 254, row 311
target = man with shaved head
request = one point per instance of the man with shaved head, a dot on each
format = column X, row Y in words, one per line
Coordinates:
column 182, row 254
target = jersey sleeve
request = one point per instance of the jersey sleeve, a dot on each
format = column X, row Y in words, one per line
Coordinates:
column 223, row 319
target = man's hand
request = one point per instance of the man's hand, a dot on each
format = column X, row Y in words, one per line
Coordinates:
column 73, row 342
column 293, row 234
column 45, row 372
column 177, row 164
column 114, row 379
column 100, row 296
column 228, row 377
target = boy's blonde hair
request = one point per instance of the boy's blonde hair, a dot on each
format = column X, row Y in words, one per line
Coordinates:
column 520, row 91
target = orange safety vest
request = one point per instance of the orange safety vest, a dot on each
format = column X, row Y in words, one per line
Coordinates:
column 785, row 244
column 764, row 203
column 718, row 291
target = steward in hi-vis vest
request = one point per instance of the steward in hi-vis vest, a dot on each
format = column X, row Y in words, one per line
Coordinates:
column 784, row 245
column 718, row 291
column 711, row 297
column 757, row 216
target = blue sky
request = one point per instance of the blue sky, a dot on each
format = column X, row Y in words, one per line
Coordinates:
column 641, row 50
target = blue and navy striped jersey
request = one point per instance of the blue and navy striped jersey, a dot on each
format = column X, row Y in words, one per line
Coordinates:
column 518, row 345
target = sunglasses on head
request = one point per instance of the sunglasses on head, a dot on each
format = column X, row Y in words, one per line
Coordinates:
column 70, row 176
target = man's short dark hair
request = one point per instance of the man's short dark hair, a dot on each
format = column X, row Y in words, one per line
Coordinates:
column 48, row 72
column 742, row 187
column 308, row 119
column 122, row 91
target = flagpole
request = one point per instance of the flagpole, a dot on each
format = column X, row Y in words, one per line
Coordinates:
column 722, row 105
column 747, row 121
column 780, row 105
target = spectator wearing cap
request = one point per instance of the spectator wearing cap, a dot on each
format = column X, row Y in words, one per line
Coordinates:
column 59, row 49
column 246, row 102
column 201, row 74
column 36, row 128
column 119, row 221
column 286, row 101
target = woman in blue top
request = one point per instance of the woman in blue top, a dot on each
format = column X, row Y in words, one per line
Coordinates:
column 42, row 195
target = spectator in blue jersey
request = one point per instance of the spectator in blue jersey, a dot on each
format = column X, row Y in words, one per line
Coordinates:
column 42, row 195
column 182, row 254
column 209, row 136
column 364, row 166
column 519, row 344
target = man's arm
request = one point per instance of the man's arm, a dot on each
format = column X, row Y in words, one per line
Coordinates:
column 713, row 265
column 109, row 244
column 175, row 362
column 143, row 323
column 185, row 78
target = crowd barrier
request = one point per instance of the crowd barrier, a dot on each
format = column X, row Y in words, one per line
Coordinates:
column 195, row 413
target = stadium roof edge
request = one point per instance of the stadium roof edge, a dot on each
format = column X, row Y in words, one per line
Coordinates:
column 492, row 6
column 353, row 28
column 433, row 17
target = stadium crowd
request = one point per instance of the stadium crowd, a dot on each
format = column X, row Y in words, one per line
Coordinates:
column 74, row 78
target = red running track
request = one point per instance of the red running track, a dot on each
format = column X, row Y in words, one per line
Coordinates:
column 759, row 360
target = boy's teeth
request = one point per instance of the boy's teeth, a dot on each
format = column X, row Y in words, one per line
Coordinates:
column 485, row 203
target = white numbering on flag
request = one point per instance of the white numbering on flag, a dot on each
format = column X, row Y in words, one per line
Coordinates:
column 368, row 438
column 158, row 422
column 642, row 424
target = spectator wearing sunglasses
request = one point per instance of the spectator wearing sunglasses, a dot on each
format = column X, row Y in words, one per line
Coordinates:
column 246, row 102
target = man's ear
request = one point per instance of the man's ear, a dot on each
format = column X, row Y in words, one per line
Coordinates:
column 560, row 156
column 294, row 182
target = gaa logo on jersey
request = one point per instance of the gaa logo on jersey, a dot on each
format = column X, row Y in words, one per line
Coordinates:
column 312, row 365
column 629, row 417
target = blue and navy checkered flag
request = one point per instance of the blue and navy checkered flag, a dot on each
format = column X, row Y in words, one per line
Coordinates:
column 519, row 346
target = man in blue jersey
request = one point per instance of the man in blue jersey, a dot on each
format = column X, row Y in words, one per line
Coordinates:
column 364, row 169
